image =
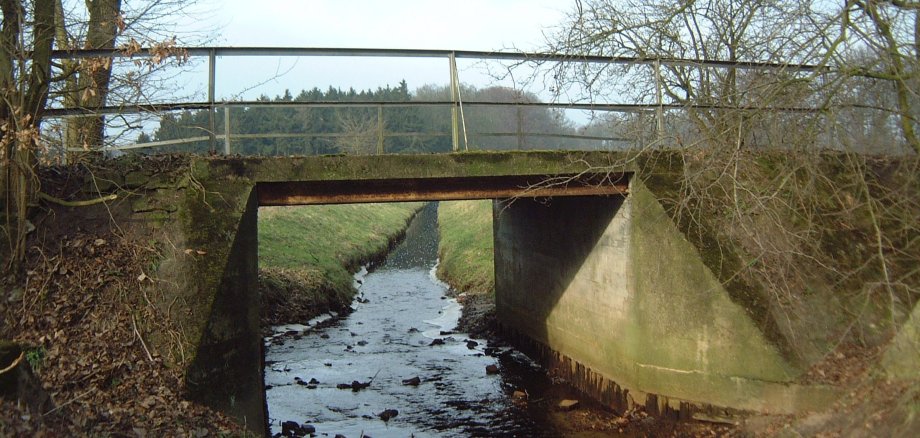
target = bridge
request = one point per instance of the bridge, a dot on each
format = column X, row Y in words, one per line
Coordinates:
column 600, row 284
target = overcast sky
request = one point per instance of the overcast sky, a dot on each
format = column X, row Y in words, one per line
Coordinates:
column 400, row 24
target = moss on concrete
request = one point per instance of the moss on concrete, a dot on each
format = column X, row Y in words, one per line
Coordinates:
column 902, row 359
column 337, row 167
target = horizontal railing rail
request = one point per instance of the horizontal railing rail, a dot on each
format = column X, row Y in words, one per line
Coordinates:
column 429, row 53
column 611, row 107
column 455, row 103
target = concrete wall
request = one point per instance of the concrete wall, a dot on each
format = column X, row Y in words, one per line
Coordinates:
column 609, row 291
column 226, row 372
column 900, row 360
column 203, row 225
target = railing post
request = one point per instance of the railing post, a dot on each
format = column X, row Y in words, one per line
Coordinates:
column 454, row 99
column 520, row 127
column 660, row 102
column 212, row 58
column 379, row 129
column 226, row 129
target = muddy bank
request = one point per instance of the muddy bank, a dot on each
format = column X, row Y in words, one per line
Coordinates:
column 478, row 315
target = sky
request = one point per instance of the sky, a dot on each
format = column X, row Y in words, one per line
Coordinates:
column 398, row 24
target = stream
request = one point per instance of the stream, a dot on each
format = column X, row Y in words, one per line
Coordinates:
column 355, row 376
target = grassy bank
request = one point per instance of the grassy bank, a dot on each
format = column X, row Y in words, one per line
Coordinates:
column 307, row 254
column 466, row 246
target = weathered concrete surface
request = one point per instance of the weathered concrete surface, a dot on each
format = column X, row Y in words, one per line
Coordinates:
column 902, row 359
column 227, row 370
column 206, row 280
column 608, row 289
column 612, row 292
column 209, row 215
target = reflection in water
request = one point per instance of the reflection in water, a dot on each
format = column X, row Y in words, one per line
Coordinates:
column 390, row 338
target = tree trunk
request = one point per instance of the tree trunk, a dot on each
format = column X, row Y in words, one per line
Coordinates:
column 95, row 74
column 21, row 111
column 69, row 71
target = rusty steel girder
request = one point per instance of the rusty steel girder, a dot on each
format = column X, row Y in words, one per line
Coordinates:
column 440, row 189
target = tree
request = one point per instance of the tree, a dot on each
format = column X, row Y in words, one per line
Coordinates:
column 26, row 40
column 94, row 82
column 775, row 221
column 890, row 31
column 29, row 80
column 87, row 82
column 777, row 31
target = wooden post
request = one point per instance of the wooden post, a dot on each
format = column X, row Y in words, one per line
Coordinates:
column 454, row 98
column 379, row 129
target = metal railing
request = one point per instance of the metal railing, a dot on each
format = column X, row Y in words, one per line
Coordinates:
column 455, row 102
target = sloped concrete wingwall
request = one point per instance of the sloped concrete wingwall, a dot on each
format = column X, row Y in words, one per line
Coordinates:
column 226, row 372
column 213, row 269
column 609, row 292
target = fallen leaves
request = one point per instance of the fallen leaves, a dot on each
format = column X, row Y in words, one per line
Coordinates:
column 77, row 307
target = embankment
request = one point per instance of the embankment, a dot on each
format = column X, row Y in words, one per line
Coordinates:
column 465, row 254
column 307, row 254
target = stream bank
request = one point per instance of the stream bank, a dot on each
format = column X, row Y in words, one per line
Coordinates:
column 308, row 254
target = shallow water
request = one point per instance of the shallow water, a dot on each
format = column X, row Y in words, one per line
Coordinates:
column 400, row 311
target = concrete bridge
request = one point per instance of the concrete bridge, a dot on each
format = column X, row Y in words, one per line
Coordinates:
column 596, row 280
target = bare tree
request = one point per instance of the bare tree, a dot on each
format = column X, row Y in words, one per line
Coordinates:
column 772, row 224
column 94, row 82
column 359, row 133
column 26, row 40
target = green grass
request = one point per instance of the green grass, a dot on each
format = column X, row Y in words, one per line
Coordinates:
column 466, row 246
column 307, row 254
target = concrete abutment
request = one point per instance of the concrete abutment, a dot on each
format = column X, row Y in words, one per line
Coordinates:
column 609, row 293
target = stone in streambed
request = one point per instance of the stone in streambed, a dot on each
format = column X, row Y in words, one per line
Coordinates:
column 293, row 429
column 491, row 369
column 387, row 414
column 415, row 381
column 354, row 385
column 437, row 341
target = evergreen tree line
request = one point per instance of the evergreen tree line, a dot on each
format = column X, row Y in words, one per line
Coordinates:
column 354, row 130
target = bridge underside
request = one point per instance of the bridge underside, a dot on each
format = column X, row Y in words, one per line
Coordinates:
column 440, row 189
